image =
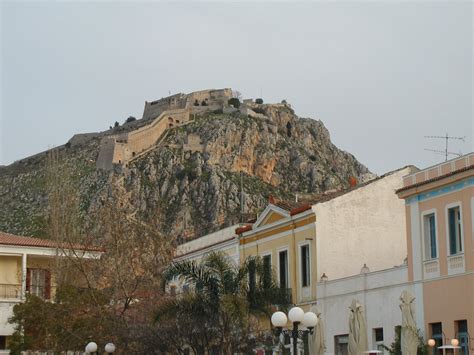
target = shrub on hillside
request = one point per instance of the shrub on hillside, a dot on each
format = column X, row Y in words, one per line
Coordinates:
column 234, row 102
column 259, row 101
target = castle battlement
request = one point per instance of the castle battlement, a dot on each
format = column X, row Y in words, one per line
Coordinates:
column 168, row 112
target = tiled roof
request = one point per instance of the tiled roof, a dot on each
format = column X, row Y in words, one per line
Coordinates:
column 11, row 239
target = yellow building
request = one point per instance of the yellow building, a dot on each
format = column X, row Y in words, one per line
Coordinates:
column 284, row 236
column 27, row 266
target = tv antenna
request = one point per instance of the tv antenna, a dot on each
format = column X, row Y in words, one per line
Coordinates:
column 445, row 152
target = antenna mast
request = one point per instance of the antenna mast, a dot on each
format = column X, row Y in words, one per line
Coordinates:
column 446, row 138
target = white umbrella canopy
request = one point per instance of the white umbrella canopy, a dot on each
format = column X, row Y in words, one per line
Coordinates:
column 357, row 329
column 316, row 342
column 409, row 336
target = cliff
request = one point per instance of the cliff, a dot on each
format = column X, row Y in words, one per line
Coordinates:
column 191, row 179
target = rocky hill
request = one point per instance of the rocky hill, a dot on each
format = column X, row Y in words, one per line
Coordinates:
column 192, row 190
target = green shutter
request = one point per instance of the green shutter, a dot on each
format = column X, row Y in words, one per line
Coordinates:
column 452, row 231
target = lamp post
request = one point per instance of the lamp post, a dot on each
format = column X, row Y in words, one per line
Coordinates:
column 296, row 316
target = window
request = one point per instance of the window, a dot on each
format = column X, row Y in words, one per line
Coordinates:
column 305, row 266
column 378, row 339
column 429, row 227
column 283, row 268
column 437, row 334
column 341, row 344
column 267, row 271
column 3, row 342
column 38, row 283
column 454, row 225
column 463, row 337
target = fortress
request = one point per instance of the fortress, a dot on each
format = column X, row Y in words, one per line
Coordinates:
column 163, row 114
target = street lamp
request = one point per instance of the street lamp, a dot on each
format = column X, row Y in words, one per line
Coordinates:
column 91, row 347
column 109, row 348
column 296, row 316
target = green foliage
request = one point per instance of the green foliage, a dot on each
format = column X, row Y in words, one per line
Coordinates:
column 62, row 325
column 259, row 101
column 396, row 348
column 234, row 102
column 224, row 301
column 130, row 119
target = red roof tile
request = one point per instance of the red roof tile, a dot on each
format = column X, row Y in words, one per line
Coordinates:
column 11, row 239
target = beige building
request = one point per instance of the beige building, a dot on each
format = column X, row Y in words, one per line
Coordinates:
column 26, row 266
column 284, row 236
column 439, row 205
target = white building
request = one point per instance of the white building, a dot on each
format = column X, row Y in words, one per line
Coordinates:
column 378, row 292
column 363, row 225
column 224, row 240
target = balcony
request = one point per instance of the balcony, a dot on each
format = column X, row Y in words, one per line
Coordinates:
column 431, row 268
column 10, row 291
column 456, row 264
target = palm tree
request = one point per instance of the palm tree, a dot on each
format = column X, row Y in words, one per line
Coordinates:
column 225, row 302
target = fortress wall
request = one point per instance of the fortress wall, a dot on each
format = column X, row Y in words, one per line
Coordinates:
column 155, row 108
column 145, row 137
column 122, row 153
column 212, row 97
column 106, row 153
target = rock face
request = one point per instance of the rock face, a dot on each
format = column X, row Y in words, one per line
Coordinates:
column 193, row 187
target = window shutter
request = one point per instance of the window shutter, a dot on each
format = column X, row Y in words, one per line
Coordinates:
column 47, row 284
column 28, row 280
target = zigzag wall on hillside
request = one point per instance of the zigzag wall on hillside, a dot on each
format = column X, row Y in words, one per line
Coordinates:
column 168, row 112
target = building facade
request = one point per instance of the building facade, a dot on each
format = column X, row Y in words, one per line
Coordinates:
column 224, row 241
column 284, row 237
column 439, row 204
column 26, row 267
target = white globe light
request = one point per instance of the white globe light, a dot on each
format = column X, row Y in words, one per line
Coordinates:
column 91, row 347
column 431, row 342
column 296, row 315
column 454, row 342
column 109, row 348
column 279, row 319
column 310, row 320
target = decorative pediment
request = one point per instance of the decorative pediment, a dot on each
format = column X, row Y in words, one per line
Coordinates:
column 270, row 215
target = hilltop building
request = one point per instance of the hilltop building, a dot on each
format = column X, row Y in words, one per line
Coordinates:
column 166, row 113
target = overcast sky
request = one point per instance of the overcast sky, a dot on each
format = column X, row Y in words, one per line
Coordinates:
column 380, row 75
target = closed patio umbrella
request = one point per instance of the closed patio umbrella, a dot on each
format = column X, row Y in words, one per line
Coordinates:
column 408, row 336
column 317, row 344
column 357, row 329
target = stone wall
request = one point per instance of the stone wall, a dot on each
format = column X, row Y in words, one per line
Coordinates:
column 119, row 149
column 213, row 99
column 167, row 113
column 193, row 144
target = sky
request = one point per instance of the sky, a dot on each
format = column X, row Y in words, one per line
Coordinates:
column 381, row 75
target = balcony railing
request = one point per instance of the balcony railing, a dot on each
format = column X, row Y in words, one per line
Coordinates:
column 10, row 291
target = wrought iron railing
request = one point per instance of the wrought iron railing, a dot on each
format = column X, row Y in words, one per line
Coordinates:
column 11, row 291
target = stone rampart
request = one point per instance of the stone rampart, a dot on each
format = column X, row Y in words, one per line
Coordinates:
column 166, row 113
